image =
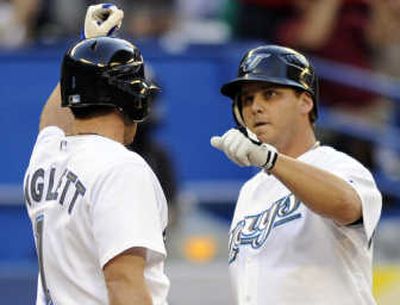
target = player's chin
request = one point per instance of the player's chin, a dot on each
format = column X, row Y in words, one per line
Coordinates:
column 263, row 135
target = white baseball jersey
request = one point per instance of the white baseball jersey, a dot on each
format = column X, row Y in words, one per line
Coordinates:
column 283, row 253
column 90, row 199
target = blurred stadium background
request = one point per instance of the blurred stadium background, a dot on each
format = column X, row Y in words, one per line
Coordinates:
column 192, row 52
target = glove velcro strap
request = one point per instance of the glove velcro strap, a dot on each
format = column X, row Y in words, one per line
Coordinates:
column 272, row 156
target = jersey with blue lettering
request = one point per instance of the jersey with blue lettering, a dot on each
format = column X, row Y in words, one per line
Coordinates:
column 283, row 253
column 90, row 199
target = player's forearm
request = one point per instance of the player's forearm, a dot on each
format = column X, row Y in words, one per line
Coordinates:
column 54, row 115
column 323, row 192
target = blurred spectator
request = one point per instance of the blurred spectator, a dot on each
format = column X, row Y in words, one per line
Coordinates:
column 259, row 19
column 149, row 18
column 143, row 18
column 60, row 18
column 16, row 21
column 384, row 38
column 200, row 9
column 188, row 20
column 198, row 21
column 336, row 30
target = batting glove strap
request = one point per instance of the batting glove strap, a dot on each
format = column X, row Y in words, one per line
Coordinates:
column 102, row 20
column 272, row 156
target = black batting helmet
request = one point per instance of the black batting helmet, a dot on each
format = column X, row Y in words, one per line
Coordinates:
column 276, row 65
column 106, row 71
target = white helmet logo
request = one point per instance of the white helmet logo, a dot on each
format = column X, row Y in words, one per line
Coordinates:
column 252, row 61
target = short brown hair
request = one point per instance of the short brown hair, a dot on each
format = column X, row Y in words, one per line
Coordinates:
column 91, row 111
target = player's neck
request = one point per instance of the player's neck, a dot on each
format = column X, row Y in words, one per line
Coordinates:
column 109, row 126
column 300, row 143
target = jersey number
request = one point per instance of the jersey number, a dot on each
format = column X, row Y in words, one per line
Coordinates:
column 39, row 246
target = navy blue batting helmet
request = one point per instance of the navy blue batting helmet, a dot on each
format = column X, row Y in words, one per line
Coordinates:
column 106, row 71
column 276, row 65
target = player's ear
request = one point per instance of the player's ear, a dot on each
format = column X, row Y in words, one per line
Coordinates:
column 306, row 103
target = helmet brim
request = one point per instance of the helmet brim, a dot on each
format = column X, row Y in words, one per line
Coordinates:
column 230, row 89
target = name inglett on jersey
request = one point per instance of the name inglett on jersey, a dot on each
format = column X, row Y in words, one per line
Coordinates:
column 42, row 183
column 254, row 230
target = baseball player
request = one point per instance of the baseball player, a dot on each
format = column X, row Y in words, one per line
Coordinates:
column 98, row 211
column 303, row 226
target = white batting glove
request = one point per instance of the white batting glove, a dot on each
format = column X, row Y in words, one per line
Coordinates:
column 244, row 152
column 102, row 20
